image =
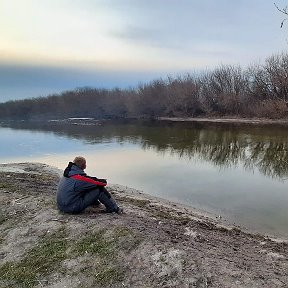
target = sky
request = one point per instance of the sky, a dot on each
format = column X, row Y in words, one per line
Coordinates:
column 49, row 46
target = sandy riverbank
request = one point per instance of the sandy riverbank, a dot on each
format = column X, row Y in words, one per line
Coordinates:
column 156, row 243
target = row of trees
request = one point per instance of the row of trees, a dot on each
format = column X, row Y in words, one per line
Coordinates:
column 258, row 91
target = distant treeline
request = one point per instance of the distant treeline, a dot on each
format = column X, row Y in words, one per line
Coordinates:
column 257, row 91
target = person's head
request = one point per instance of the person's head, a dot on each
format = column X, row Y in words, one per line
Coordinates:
column 80, row 162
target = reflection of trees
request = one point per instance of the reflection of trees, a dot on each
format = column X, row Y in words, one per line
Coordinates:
column 225, row 145
column 271, row 158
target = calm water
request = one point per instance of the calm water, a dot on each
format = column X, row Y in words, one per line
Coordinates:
column 237, row 171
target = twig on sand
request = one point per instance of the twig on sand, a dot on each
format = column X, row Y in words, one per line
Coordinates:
column 40, row 282
column 14, row 201
column 58, row 220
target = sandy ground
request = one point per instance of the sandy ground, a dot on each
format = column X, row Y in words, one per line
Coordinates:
column 155, row 243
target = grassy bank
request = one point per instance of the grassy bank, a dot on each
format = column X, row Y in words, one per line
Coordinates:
column 154, row 244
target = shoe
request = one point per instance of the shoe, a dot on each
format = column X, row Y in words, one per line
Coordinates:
column 120, row 210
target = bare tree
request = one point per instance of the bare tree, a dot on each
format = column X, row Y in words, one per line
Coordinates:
column 283, row 11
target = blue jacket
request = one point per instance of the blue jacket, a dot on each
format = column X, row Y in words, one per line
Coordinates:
column 73, row 185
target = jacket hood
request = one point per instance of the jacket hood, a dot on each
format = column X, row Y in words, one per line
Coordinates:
column 72, row 169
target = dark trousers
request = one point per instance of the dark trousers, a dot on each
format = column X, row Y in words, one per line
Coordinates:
column 91, row 197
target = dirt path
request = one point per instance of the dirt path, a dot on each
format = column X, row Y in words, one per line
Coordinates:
column 154, row 244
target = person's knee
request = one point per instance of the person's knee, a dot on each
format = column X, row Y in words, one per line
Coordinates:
column 105, row 192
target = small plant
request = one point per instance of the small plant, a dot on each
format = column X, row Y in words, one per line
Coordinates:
column 95, row 243
column 41, row 260
column 5, row 186
column 109, row 275
column 3, row 218
column 106, row 246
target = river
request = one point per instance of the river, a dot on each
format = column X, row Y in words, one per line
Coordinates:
column 236, row 171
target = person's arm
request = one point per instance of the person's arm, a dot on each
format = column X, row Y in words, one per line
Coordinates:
column 97, row 179
column 88, row 181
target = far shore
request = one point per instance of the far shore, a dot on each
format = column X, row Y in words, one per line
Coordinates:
column 227, row 120
column 224, row 119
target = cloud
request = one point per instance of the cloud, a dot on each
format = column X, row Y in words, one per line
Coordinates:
column 145, row 36
column 116, row 43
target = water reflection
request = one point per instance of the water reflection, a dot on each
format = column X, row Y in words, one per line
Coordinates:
column 225, row 145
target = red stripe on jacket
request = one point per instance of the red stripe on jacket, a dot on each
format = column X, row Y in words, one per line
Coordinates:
column 88, row 180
